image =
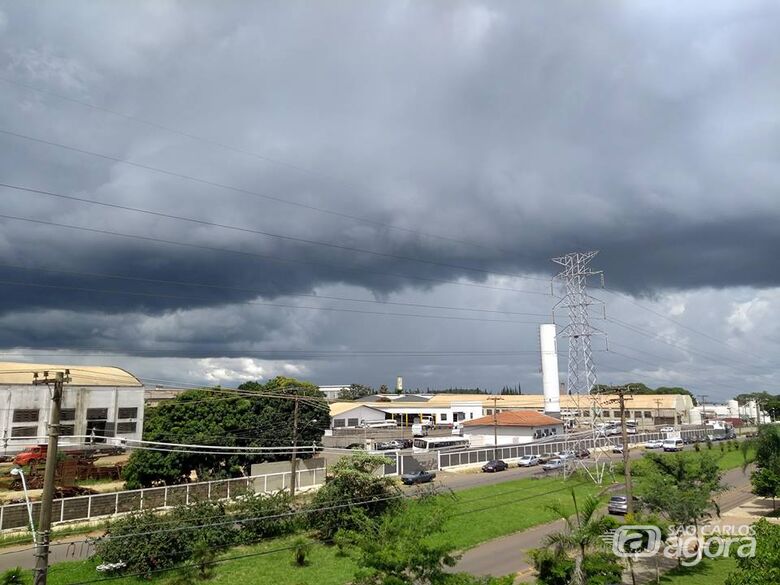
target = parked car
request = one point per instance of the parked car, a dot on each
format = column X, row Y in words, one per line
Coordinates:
column 655, row 444
column 495, row 465
column 554, row 464
column 416, row 477
column 379, row 424
column 673, row 445
column 528, row 461
column 565, row 455
column 667, row 429
column 618, row 505
column 583, row 454
column 630, row 431
column 617, row 449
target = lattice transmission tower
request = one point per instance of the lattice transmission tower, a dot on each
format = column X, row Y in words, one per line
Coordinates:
column 581, row 377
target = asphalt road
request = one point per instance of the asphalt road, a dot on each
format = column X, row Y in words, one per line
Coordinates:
column 508, row 555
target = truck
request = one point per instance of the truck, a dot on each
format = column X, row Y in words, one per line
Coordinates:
column 37, row 453
column 419, row 430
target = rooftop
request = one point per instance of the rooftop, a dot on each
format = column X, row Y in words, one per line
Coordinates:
column 21, row 374
column 515, row 418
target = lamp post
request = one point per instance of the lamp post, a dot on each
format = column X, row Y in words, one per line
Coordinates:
column 18, row 471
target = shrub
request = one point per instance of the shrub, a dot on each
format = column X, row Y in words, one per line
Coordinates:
column 696, row 447
column 258, row 505
column 13, row 576
column 301, row 549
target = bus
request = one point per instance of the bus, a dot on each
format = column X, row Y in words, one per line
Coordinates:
column 426, row 445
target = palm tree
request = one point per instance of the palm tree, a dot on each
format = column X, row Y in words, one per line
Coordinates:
column 583, row 531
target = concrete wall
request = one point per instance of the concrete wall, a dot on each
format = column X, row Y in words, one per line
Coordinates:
column 310, row 472
column 79, row 399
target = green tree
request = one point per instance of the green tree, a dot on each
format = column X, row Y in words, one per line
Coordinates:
column 763, row 567
column 766, row 484
column 355, row 391
column 353, row 481
column 578, row 554
column 679, row 486
column 640, row 388
column 259, row 415
column 764, row 451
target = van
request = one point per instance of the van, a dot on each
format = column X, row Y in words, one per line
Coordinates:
column 673, row 444
column 419, row 430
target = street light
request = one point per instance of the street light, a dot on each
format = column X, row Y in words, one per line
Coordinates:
column 18, row 471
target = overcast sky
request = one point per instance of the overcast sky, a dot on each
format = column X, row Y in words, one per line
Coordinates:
column 259, row 162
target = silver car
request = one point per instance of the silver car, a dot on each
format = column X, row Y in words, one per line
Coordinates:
column 528, row 461
column 554, row 464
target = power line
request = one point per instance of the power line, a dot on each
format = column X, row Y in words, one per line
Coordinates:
column 258, row 291
column 265, row 158
column 252, row 231
column 256, row 254
column 259, row 303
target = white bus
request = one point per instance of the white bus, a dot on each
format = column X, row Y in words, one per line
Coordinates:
column 426, row 445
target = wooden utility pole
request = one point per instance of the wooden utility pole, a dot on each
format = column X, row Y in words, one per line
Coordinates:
column 495, row 399
column 55, row 383
column 293, row 460
column 621, row 399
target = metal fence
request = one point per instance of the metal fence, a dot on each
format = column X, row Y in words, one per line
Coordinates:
column 85, row 508
column 485, row 454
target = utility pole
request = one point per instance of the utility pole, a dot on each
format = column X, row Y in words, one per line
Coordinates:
column 293, row 460
column 621, row 399
column 495, row 399
column 55, row 383
column 658, row 408
column 704, row 409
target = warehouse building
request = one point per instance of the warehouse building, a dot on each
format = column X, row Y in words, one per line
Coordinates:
column 98, row 402
column 511, row 428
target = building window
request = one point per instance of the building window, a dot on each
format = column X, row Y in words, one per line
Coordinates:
column 339, row 423
column 128, row 413
column 648, row 414
column 26, row 415
column 125, row 427
column 352, row 422
column 24, row 431
column 66, row 430
column 68, row 414
column 443, row 417
column 488, row 411
column 97, row 414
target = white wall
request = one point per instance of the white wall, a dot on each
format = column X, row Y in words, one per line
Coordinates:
column 27, row 397
column 507, row 435
column 353, row 417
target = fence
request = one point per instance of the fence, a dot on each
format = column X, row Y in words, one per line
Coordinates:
column 85, row 508
column 484, row 454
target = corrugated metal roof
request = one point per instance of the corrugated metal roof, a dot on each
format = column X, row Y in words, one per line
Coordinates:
column 21, row 374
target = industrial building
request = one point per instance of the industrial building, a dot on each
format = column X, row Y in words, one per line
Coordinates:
column 511, row 428
column 98, row 401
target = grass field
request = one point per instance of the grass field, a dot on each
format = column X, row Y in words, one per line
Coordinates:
column 479, row 514
column 707, row 572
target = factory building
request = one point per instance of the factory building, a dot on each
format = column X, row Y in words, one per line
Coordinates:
column 98, row 401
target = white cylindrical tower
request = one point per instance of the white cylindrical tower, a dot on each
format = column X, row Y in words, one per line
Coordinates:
column 399, row 384
column 550, row 379
column 733, row 408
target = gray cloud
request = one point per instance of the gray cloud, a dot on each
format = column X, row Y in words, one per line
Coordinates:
column 645, row 130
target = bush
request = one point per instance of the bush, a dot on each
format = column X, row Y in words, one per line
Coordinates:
column 696, row 447
column 13, row 576
column 258, row 505
column 354, row 496
column 301, row 549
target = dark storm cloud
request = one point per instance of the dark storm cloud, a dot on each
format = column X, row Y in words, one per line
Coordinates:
column 522, row 130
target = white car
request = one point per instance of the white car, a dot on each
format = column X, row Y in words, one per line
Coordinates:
column 654, row 445
column 528, row 461
column 554, row 464
column 667, row 429
column 567, row 455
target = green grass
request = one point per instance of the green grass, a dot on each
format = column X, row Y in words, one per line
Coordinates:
column 707, row 572
column 479, row 514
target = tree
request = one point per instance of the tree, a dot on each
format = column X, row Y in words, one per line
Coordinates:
column 582, row 537
column 259, row 415
column 679, row 486
column 766, row 455
column 766, row 484
column 640, row 388
column 760, row 566
column 355, row 391
column 403, row 549
column 353, row 482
